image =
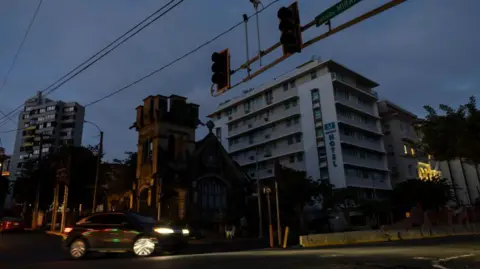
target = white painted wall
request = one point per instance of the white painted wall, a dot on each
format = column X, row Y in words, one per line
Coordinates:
column 332, row 137
column 308, row 129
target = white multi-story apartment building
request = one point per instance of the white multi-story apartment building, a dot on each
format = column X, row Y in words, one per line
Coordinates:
column 321, row 118
column 60, row 123
column 400, row 141
column 405, row 162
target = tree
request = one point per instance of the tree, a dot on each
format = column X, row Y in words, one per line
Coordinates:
column 430, row 194
column 43, row 172
column 4, row 190
column 121, row 180
column 296, row 191
column 452, row 134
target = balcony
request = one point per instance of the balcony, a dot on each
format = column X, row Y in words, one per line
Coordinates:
column 360, row 125
column 366, row 144
column 282, row 149
column 366, row 163
column 269, row 135
column 28, row 144
column 279, row 96
column 279, row 114
column 369, row 183
column 352, row 104
column 345, row 84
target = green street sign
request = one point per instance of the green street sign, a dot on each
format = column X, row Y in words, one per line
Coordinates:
column 334, row 11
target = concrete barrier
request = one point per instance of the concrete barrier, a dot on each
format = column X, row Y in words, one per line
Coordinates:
column 377, row 236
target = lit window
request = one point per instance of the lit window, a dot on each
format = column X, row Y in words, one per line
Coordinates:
column 412, row 151
column 405, row 149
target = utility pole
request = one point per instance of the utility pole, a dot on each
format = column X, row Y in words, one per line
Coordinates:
column 97, row 176
column 259, row 198
column 279, row 226
column 37, row 196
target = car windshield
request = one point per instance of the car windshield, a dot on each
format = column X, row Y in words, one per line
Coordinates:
column 150, row 220
column 143, row 219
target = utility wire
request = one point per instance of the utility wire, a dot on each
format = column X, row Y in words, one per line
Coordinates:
column 170, row 63
column 105, row 48
column 18, row 53
column 178, row 59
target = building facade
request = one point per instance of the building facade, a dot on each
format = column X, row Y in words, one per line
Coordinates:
column 178, row 178
column 47, row 124
column 321, row 118
column 406, row 162
column 400, row 141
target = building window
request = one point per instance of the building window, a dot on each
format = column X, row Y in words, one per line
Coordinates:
column 269, row 97
column 246, row 107
column 294, row 103
column 290, row 140
column 291, row 158
column 300, row 157
column 285, row 87
column 319, row 132
column 412, row 151
column 69, row 109
column 405, row 149
column 313, row 74
column 317, row 114
column 218, row 132
column 298, row 138
column 292, row 84
column 315, row 95
column 288, row 123
column 287, row 105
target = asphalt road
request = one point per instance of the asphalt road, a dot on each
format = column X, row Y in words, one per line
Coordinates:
column 41, row 251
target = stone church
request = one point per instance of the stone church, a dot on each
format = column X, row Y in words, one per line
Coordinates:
column 180, row 179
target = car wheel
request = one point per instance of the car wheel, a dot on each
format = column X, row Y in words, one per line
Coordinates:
column 78, row 249
column 143, row 246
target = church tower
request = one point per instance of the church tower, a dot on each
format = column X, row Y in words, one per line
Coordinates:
column 166, row 138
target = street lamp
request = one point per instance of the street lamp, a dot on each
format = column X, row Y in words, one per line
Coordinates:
column 99, row 159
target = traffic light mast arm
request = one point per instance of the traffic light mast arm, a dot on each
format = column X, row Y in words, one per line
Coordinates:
column 312, row 41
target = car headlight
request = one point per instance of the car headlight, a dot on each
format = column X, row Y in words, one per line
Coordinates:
column 185, row 232
column 164, row 231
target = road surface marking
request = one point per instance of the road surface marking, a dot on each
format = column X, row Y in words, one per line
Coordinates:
column 436, row 264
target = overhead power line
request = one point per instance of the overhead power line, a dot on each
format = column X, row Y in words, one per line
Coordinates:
column 19, row 49
column 170, row 63
column 179, row 58
column 74, row 71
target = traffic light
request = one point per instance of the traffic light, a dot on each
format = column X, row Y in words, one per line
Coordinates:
column 291, row 29
column 221, row 70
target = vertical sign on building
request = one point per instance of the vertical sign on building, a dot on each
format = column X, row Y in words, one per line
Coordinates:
column 330, row 131
column 334, row 155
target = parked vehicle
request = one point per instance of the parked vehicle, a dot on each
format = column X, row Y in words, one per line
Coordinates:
column 11, row 224
column 123, row 232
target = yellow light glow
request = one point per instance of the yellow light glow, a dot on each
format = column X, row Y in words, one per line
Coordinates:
column 425, row 171
column 405, row 149
column 5, row 173
column 412, row 151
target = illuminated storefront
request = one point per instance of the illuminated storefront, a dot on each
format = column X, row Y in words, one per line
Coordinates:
column 425, row 171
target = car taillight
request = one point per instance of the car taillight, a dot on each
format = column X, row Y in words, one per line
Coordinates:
column 67, row 230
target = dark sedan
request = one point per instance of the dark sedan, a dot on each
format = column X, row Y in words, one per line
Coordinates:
column 123, row 232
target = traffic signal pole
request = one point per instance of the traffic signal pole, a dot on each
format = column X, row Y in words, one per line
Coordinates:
column 331, row 31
